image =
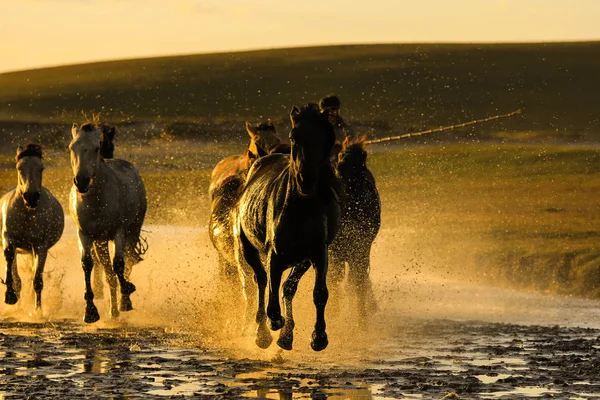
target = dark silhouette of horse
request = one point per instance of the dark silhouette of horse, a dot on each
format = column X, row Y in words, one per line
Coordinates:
column 360, row 222
column 226, row 181
column 287, row 216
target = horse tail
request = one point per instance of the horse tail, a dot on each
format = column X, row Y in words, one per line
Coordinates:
column 135, row 248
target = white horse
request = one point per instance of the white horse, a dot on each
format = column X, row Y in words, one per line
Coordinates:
column 32, row 222
column 108, row 204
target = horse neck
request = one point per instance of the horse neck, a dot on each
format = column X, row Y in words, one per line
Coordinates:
column 101, row 178
column 325, row 178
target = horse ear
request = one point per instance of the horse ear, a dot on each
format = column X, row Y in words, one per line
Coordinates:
column 294, row 113
column 74, row 129
column 249, row 130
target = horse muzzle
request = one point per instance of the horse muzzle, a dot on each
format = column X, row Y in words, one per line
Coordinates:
column 31, row 199
column 82, row 184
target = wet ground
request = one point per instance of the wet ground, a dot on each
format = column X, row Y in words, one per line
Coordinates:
column 431, row 338
column 424, row 359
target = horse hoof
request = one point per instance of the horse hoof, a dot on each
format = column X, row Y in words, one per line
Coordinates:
column 127, row 288
column 277, row 324
column 126, row 304
column 114, row 314
column 91, row 314
column 11, row 297
column 263, row 336
column 285, row 341
column 319, row 341
column 264, row 341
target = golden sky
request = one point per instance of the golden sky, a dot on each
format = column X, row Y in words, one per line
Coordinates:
column 36, row 33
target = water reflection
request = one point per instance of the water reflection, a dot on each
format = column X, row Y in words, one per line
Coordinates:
column 94, row 362
column 303, row 392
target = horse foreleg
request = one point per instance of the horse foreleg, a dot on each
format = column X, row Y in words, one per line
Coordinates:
column 111, row 277
column 87, row 263
column 274, row 308
column 251, row 256
column 290, row 286
column 320, row 295
column 127, row 288
column 10, row 297
column 38, row 280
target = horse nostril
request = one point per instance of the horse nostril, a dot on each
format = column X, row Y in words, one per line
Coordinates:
column 81, row 183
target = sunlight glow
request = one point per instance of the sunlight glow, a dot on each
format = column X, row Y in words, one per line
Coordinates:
column 53, row 32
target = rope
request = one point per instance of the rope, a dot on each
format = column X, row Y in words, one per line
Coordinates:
column 442, row 128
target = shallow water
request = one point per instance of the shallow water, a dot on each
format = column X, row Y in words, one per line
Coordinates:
column 431, row 337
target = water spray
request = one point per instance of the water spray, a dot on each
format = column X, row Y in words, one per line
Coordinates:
column 442, row 128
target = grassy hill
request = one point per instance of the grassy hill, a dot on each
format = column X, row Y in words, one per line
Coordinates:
column 386, row 87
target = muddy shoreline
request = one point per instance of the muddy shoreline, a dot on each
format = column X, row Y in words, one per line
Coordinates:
column 423, row 359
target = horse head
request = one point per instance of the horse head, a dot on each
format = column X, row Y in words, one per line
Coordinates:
column 263, row 138
column 352, row 158
column 311, row 138
column 29, row 170
column 85, row 154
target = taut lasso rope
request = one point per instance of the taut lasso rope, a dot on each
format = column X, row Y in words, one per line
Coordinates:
column 442, row 128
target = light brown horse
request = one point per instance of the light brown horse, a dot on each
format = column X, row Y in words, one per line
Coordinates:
column 226, row 181
column 32, row 222
column 108, row 204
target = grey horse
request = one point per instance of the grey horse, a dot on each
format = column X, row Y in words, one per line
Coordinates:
column 32, row 222
column 108, row 204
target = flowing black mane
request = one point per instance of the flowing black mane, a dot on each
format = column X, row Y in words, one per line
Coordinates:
column 29, row 150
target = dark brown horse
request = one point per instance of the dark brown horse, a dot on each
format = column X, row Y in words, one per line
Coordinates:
column 360, row 222
column 288, row 214
column 226, row 182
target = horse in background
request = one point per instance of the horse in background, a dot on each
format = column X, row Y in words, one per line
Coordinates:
column 287, row 215
column 226, row 181
column 32, row 222
column 360, row 223
column 108, row 204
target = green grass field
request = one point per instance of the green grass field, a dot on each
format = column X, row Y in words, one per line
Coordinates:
column 513, row 202
column 385, row 87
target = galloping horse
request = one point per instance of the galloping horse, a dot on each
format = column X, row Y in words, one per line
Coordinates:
column 288, row 214
column 360, row 222
column 32, row 222
column 107, row 203
column 226, row 182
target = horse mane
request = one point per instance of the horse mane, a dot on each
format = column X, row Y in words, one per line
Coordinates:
column 357, row 142
column 266, row 126
column 29, row 150
column 353, row 148
column 107, row 147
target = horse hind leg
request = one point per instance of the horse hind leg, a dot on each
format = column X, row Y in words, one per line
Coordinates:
column 360, row 283
column 127, row 288
column 290, row 286
column 103, row 257
column 39, row 262
column 274, row 308
column 97, row 278
column 10, row 297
